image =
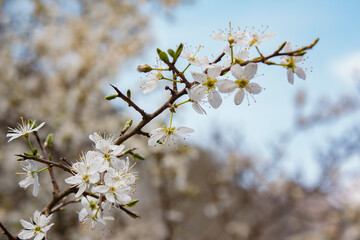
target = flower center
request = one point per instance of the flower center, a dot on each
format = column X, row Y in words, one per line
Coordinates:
column 210, row 83
column 168, row 131
column 37, row 229
column 291, row 64
column 242, row 82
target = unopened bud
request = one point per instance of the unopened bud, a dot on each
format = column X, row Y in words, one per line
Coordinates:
column 143, row 68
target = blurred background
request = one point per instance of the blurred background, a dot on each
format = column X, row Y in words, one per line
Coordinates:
column 283, row 167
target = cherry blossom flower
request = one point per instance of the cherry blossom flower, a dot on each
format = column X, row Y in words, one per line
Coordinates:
column 87, row 172
column 289, row 63
column 168, row 136
column 254, row 39
column 23, row 129
column 193, row 59
column 91, row 215
column 207, row 85
column 30, row 167
column 106, row 148
column 243, row 76
column 116, row 192
column 153, row 80
column 37, row 227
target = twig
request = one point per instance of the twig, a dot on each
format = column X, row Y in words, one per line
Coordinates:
column 58, row 207
column 57, row 198
column 275, row 54
column 50, row 163
column 130, row 103
column 7, row 233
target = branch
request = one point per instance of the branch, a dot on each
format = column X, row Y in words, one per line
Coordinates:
column 7, row 233
column 130, row 103
column 56, row 198
column 275, row 54
column 50, row 163
column 137, row 129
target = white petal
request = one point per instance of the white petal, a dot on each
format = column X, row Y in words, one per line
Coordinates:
column 250, row 71
column 36, row 185
column 226, row 86
column 74, row 180
column 26, row 224
column 46, row 228
column 239, row 96
column 26, row 234
column 214, row 71
column 237, row 71
column 300, row 72
column 154, row 138
column 290, row 76
column 123, row 198
column 82, row 188
column 39, row 236
column 220, row 36
column 101, row 189
column 183, row 130
column 196, row 106
column 214, row 98
column 198, row 93
column 242, row 55
column 254, row 88
column 199, row 77
column 149, row 86
column 297, row 59
column 38, row 127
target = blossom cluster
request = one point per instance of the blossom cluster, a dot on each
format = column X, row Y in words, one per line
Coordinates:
column 208, row 84
column 106, row 176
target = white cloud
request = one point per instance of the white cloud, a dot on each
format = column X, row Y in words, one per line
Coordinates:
column 347, row 67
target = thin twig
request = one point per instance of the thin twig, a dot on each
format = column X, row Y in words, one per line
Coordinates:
column 130, row 102
column 50, row 163
column 7, row 233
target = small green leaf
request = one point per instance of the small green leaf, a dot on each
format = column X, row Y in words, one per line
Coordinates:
column 281, row 47
column 111, row 97
column 171, row 53
column 132, row 203
column 138, row 156
column 178, row 51
column 128, row 93
column 28, row 154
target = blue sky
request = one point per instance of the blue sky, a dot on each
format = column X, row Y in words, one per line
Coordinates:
column 330, row 67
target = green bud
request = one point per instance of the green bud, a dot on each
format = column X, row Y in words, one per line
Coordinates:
column 300, row 53
column 34, row 151
column 132, row 203
column 138, row 156
column 50, row 157
column 110, row 97
column 281, row 47
column 49, row 140
column 237, row 60
column 128, row 123
column 128, row 93
column 171, row 53
column 143, row 68
column 28, row 154
column 163, row 56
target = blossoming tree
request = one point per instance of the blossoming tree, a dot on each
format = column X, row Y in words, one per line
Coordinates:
column 102, row 179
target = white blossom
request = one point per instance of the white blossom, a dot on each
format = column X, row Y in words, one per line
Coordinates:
column 207, row 85
column 30, row 167
column 116, row 192
column 37, row 227
column 92, row 216
column 87, row 172
column 23, row 129
column 254, row 39
column 168, row 136
column 289, row 62
column 243, row 76
column 193, row 59
column 152, row 81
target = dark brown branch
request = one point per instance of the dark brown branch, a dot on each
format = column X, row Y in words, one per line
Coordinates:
column 137, row 129
column 7, row 233
column 130, row 103
column 218, row 59
column 59, row 206
column 50, row 163
column 57, row 198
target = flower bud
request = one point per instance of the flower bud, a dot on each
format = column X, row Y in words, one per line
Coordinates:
column 143, row 68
